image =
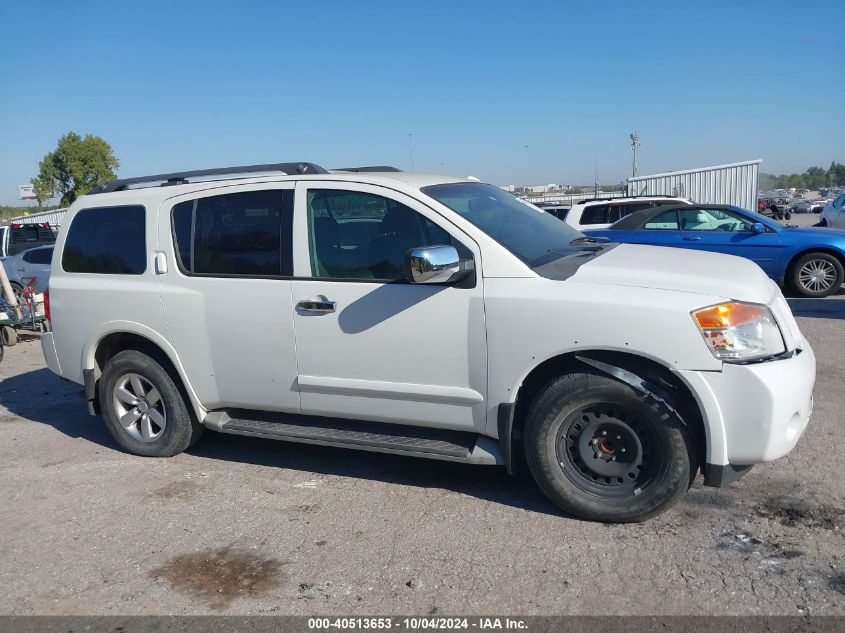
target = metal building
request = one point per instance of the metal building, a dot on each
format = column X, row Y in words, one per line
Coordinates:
column 734, row 184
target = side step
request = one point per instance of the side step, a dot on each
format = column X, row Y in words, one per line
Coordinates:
column 369, row 436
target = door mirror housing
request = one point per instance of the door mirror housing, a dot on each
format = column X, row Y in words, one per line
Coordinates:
column 758, row 227
column 435, row 265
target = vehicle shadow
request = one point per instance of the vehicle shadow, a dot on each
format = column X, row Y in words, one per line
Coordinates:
column 43, row 397
column 832, row 307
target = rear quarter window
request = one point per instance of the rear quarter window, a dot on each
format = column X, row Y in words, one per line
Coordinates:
column 107, row 240
column 595, row 214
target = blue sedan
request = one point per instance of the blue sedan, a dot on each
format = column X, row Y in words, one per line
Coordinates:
column 809, row 259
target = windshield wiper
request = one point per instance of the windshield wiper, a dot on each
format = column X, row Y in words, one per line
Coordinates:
column 586, row 239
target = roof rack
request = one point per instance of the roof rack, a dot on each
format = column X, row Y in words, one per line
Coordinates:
column 368, row 168
column 656, row 195
column 181, row 177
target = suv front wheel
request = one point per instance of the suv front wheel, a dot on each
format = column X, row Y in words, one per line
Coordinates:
column 143, row 408
column 602, row 451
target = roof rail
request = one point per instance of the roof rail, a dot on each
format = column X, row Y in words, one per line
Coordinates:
column 181, row 177
column 368, row 168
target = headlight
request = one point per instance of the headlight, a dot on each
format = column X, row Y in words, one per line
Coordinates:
column 739, row 331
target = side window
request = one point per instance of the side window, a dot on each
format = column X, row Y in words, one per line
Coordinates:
column 595, row 214
column 839, row 202
column 618, row 211
column 355, row 235
column 107, row 240
column 39, row 256
column 666, row 221
column 713, row 220
column 244, row 234
column 26, row 256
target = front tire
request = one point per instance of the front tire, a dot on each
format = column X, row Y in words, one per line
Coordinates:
column 604, row 452
column 817, row 275
column 143, row 408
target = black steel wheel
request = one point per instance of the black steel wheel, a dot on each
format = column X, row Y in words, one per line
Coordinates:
column 606, row 449
column 603, row 451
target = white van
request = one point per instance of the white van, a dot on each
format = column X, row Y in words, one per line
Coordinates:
column 427, row 316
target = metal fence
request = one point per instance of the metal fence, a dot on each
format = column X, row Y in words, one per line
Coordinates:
column 735, row 183
column 54, row 218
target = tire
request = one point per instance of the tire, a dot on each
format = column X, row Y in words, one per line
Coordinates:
column 822, row 222
column 787, row 216
column 10, row 336
column 602, row 451
column 817, row 275
column 161, row 423
column 17, row 290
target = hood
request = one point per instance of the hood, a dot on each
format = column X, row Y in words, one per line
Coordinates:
column 679, row 269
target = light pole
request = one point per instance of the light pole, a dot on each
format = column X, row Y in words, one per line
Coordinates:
column 595, row 177
column 525, row 177
column 411, row 148
column 635, row 143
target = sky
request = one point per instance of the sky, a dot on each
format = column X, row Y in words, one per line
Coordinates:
column 190, row 85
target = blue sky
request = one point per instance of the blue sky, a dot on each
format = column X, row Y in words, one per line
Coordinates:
column 182, row 85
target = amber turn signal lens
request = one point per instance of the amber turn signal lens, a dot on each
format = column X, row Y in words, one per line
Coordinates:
column 728, row 315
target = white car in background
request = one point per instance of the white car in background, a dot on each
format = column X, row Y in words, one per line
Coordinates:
column 27, row 265
column 600, row 213
column 833, row 215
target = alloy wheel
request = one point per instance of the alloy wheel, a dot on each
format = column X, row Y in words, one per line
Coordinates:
column 138, row 408
column 817, row 275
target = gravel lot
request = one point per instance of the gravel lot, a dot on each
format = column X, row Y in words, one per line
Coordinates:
column 247, row 526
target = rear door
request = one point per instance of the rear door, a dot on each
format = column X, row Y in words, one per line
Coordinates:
column 226, row 294
column 371, row 345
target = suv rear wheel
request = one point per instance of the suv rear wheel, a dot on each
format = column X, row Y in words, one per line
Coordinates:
column 605, row 452
column 143, row 408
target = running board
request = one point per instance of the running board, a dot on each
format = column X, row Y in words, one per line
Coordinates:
column 369, row 436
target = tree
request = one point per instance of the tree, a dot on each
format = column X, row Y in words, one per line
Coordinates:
column 44, row 189
column 77, row 165
column 836, row 174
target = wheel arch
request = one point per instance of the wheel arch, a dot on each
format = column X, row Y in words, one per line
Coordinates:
column 118, row 337
column 656, row 379
column 827, row 250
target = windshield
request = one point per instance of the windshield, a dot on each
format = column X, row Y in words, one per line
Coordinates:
column 533, row 235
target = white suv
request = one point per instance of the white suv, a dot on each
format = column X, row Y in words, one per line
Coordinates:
column 427, row 316
column 600, row 213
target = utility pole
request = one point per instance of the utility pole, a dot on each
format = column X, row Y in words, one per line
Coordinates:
column 411, row 148
column 635, row 143
column 525, row 179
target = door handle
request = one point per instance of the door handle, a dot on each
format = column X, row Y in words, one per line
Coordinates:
column 321, row 307
column 691, row 238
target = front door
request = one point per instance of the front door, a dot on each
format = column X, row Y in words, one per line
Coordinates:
column 226, row 294
column 370, row 345
column 723, row 231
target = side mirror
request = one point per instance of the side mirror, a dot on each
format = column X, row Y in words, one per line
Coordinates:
column 434, row 265
column 758, row 227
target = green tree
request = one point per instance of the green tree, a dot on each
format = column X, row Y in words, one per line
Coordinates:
column 44, row 189
column 77, row 165
column 836, row 174
column 815, row 178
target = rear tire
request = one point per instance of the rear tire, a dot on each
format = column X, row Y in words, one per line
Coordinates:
column 144, row 410
column 604, row 452
column 817, row 275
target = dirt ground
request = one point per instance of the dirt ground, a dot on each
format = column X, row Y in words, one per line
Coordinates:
column 249, row 526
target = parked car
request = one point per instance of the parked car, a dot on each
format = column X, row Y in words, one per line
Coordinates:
column 27, row 265
column 809, row 259
column 599, row 213
column 18, row 237
column 557, row 211
column 833, row 214
column 426, row 316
